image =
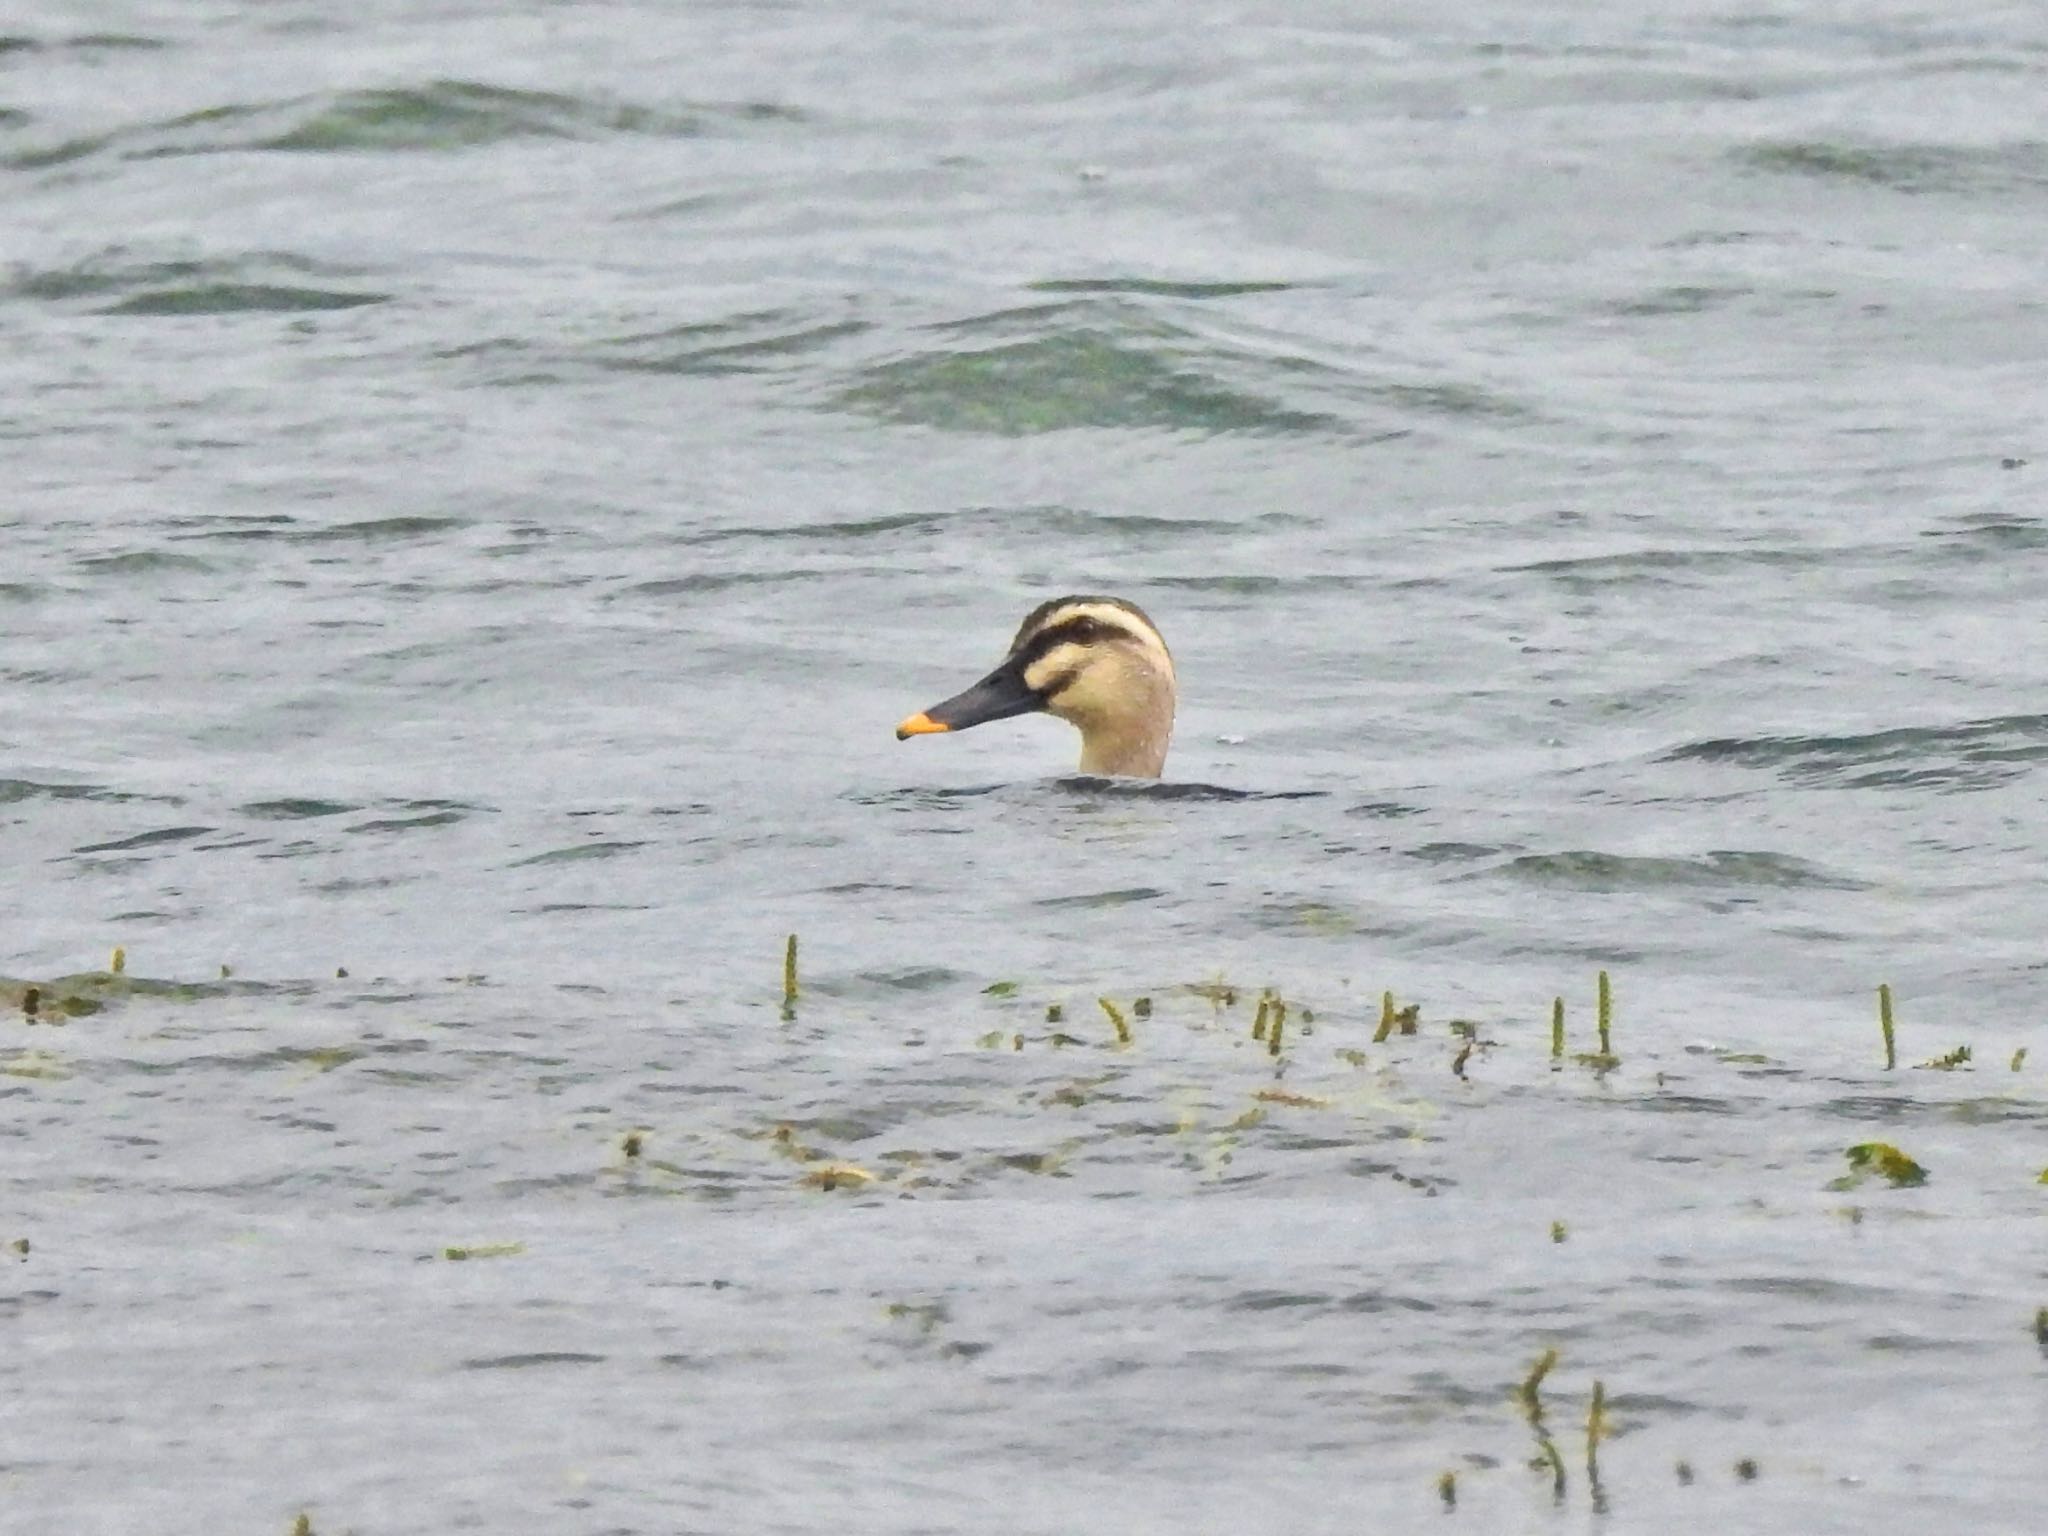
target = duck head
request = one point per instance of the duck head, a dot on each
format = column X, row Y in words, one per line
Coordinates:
column 1097, row 663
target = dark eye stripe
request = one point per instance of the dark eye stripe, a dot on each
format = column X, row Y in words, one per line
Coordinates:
column 1140, row 627
column 1083, row 629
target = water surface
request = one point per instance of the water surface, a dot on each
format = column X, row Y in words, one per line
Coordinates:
column 483, row 483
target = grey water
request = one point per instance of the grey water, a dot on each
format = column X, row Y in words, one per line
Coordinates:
column 479, row 484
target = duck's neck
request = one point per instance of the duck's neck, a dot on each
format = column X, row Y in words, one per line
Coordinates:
column 1130, row 757
column 1133, row 744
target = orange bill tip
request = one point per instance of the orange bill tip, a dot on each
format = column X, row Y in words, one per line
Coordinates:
column 919, row 724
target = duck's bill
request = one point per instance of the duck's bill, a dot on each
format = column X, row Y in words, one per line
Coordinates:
column 998, row 696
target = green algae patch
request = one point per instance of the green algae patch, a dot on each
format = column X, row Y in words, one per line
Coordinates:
column 782, row 1141
column 1880, row 1159
column 462, row 1253
column 1291, row 1099
column 87, row 992
column 1959, row 1057
column 1051, row 1163
column 926, row 1315
column 837, row 1176
column 52, row 1002
column 34, row 1064
column 321, row 1058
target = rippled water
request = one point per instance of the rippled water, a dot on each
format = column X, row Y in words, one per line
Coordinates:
column 483, row 482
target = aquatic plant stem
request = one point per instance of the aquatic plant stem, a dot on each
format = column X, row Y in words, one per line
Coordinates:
column 1116, row 1017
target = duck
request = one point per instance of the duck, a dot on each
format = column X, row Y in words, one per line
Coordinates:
column 1098, row 663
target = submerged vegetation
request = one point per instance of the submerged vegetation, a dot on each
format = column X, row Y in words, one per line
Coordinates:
column 1292, row 1040
column 60, row 999
column 1213, row 1079
column 1885, row 1161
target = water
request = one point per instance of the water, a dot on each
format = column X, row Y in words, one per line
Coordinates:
column 481, row 485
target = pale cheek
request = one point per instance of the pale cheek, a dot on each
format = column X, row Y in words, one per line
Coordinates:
column 1048, row 667
column 1067, row 659
column 1085, row 696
